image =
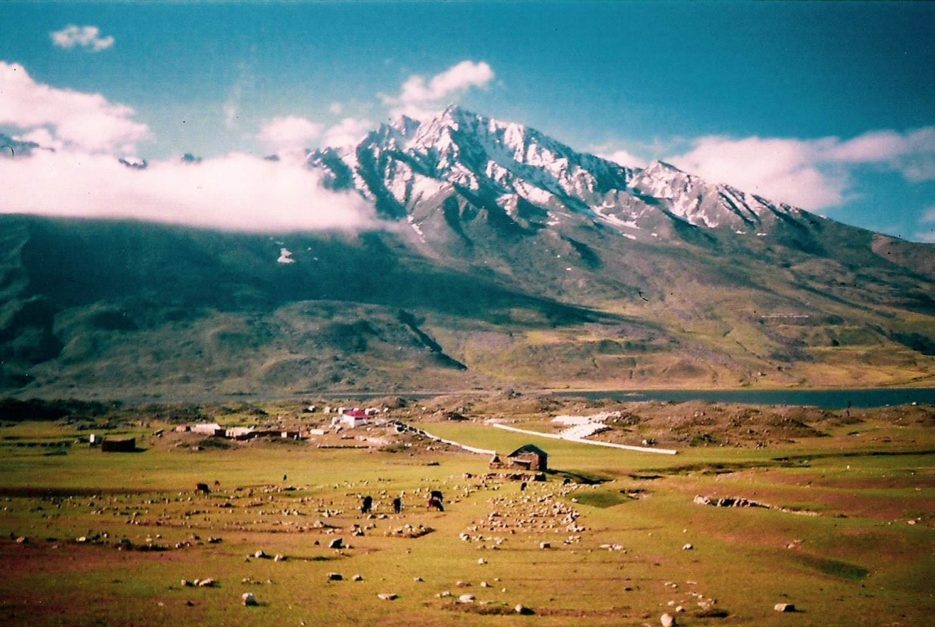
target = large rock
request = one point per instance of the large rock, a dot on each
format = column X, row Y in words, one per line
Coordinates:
column 337, row 543
column 248, row 599
column 784, row 607
column 667, row 620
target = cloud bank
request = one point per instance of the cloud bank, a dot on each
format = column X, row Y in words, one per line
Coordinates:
column 816, row 173
column 420, row 98
column 347, row 132
column 62, row 118
column 85, row 37
column 81, row 177
column 236, row 192
column 623, row 157
column 289, row 133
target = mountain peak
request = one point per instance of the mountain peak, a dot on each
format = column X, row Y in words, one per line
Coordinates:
column 411, row 167
column 663, row 166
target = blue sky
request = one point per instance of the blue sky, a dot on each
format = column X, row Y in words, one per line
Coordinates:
column 827, row 105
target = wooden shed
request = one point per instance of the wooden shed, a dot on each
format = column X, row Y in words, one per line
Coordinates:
column 118, row 446
column 529, row 457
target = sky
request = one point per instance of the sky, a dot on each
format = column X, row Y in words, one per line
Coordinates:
column 827, row 106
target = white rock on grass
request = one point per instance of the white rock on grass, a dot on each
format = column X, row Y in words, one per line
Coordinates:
column 248, row 599
column 387, row 596
column 466, row 598
column 784, row 607
column 667, row 620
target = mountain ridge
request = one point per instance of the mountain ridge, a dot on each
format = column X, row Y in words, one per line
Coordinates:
column 514, row 261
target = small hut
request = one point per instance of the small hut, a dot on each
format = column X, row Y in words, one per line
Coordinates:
column 118, row 446
column 529, row 457
column 209, row 428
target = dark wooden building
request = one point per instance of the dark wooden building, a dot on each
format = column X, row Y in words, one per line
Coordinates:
column 528, row 457
column 118, row 446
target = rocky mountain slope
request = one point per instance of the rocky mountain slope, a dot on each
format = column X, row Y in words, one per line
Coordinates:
column 515, row 261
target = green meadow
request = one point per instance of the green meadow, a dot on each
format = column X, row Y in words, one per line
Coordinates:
column 845, row 531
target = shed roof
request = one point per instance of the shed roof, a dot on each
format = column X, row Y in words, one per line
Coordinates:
column 528, row 448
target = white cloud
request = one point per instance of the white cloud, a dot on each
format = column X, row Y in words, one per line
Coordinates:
column 336, row 108
column 85, row 37
column 72, row 119
column 624, row 158
column 347, row 132
column 235, row 192
column 928, row 215
column 419, row 97
column 289, row 133
column 815, row 173
column 779, row 169
column 82, row 177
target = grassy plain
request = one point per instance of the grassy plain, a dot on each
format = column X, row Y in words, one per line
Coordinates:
column 849, row 537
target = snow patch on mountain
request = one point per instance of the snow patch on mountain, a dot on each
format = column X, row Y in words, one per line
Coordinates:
column 285, row 256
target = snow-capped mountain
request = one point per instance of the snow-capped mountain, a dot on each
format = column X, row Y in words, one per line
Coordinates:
column 509, row 259
column 411, row 169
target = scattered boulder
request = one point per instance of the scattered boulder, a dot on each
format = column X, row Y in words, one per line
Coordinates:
column 279, row 558
column 727, row 501
column 337, row 543
column 22, row 540
column 187, row 584
column 357, row 578
column 522, row 609
column 261, row 555
column 207, row 583
column 466, row 598
column 387, row 596
column 249, row 599
column 335, row 577
column 545, row 545
column 667, row 620
column 784, row 607
column 688, row 547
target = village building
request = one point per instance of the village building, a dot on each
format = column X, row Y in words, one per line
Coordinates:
column 529, row 457
column 352, row 418
column 208, row 428
column 241, row 433
column 118, row 446
column 526, row 458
